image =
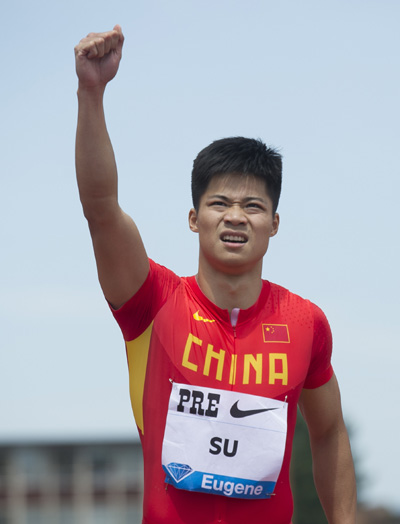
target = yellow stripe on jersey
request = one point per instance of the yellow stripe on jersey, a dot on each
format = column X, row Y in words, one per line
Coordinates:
column 138, row 351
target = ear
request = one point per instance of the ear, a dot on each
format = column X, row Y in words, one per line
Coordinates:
column 275, row 225
column 193, row 221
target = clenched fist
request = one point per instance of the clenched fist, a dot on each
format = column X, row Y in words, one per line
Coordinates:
column 97, row 58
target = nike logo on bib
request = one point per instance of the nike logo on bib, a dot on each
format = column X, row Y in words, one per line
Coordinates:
column 238, row 413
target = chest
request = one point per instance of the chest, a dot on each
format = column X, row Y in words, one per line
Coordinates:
column 267, row 354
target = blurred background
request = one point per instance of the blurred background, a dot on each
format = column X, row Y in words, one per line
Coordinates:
column 318, row 80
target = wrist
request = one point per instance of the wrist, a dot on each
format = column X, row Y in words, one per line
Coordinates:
column 93, row 93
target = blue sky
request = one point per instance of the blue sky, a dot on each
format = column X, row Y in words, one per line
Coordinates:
column 318, row 80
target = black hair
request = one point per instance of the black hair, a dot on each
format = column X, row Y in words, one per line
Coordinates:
column 244, row 156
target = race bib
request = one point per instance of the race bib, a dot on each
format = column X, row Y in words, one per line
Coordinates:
column 223, row 442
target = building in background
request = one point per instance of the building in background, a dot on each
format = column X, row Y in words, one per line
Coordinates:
column 89, row 482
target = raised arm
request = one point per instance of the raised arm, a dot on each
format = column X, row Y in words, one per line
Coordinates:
column 332, row 461
column 121, row 259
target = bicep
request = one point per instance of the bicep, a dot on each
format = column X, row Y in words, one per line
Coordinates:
column 121, row 258
column 321, row 408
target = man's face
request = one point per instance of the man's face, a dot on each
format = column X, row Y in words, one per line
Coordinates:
column 235, row 222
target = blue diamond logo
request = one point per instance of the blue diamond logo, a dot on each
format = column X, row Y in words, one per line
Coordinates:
column 179, row 471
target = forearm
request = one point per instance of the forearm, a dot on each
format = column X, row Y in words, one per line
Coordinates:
column 95, row 162
column 334, row 476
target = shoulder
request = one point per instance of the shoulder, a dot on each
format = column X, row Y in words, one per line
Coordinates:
column 283, row 293
column 285, row 296
column 140, row 310
column 307, row 317
column 290, row 302
column 158, row 272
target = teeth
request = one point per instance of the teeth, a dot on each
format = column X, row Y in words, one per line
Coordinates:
column 233, row 238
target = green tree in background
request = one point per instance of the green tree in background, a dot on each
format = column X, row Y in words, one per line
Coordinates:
column 307, row 508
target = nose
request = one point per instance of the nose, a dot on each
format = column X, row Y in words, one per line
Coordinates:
column 235, row 215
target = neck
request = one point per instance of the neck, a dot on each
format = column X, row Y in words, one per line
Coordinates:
column 229, row 291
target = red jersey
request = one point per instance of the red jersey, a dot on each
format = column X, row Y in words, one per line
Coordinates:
column 175, row 334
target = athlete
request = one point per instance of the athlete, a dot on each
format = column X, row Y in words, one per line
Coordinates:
column 218, row 362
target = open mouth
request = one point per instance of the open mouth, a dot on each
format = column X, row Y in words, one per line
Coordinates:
column 234, row 239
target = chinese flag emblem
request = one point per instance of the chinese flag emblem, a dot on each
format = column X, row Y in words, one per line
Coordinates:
column 276, row 333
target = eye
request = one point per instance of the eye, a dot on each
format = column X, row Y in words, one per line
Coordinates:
column 254, row 205
column 217, row 203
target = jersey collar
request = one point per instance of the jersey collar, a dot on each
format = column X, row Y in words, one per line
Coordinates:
column 223, row 314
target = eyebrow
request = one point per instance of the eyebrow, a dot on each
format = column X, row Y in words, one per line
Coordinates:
column 246, row 199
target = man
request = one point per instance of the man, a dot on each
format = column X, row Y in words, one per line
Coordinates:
column 218, row 362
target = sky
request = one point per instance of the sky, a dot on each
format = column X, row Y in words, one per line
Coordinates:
column 320, row 80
